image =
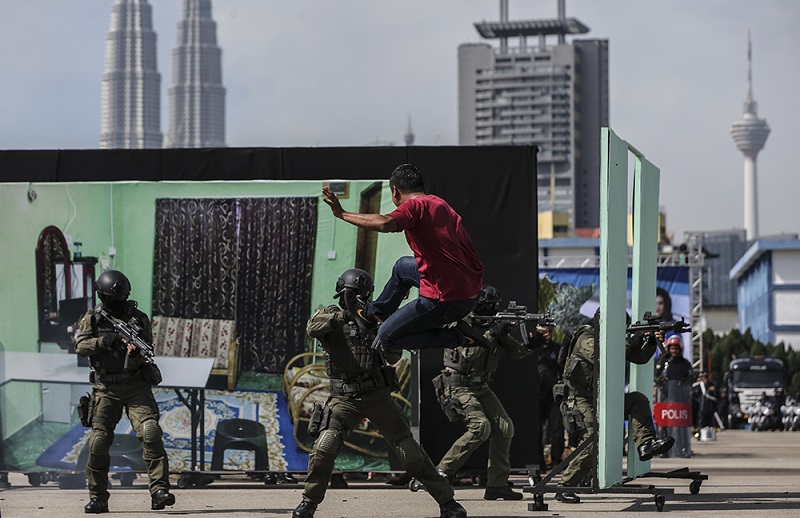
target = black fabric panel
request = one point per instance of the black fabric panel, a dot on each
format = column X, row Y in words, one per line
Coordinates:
column 494, row 191
column 359, row 163
column 219, row 164
column 108, row 165
column 28, row 166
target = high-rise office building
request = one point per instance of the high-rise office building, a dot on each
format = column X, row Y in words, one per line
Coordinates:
column 196, row 97
column 750, row 134
column 131, row 92
column 547, row 92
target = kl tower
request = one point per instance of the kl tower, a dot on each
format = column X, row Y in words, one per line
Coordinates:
column 750, row 133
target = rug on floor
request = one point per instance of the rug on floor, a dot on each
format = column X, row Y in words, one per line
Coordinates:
column 267, row 407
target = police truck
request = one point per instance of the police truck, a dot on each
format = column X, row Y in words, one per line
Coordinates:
column 747, row 379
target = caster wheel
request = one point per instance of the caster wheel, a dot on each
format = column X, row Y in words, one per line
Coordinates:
column 34, row 479
column 538, row 503
column 659, row 503
column 694, row 487
column 270, row 479
column 414, row 485
column 183, row 482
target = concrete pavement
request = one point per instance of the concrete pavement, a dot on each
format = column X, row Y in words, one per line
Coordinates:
column 750, row 475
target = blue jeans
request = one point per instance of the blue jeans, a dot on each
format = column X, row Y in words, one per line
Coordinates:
column 418, row 324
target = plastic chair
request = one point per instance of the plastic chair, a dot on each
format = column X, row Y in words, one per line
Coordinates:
column 240, row 434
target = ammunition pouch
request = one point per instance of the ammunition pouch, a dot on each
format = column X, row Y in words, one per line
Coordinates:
column 358, row 387
column 319, row 415
column 117, row 377
column 560, row 392
column 86, row 410
column 151, row 374
column 450, row 405
column 573, row 418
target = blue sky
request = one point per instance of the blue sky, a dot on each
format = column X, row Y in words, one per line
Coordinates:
column 349, row 72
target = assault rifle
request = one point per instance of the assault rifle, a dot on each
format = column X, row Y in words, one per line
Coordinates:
column 518, row 316
column 130, row 331
column 652, row 323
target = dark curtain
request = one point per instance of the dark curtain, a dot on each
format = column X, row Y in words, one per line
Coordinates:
column 274, row 288
column 248, row 260
column 195, row 258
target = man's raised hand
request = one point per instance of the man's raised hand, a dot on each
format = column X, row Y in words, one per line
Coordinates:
column 329, row 197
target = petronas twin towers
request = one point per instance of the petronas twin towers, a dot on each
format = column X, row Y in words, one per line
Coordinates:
column 132, row 85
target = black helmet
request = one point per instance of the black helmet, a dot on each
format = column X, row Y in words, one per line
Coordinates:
column 489, row 300
column 113, row 286
column 357, row 280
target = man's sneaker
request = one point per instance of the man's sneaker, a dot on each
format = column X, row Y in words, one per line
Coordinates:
column 452, row 509
column 652, row 447
column 306, row 509
column 501, row 493
column 568, row 498
column 160, row 499
column 95, row 506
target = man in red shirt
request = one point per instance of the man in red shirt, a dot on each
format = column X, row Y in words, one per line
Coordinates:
column 445, row 267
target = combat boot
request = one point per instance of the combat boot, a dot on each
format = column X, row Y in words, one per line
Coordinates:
column 501, row 493
column 160, row 499
column 306, row 509
column 568, row 498
column 652, row 447
column 399, row 479
column 452, row 509
column 95, row 506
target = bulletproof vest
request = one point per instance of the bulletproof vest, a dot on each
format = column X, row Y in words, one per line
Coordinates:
column 353, row 358
column 579, row 368
column 483, row 362
column 113, row 360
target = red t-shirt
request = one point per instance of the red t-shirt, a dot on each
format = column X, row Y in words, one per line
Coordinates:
column 449, row 266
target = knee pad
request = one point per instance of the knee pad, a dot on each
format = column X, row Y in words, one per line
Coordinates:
column 409, row 452
column 329, row 442
column 506, row 426
column 98, row 444
column 151, row 432
column 481, row 429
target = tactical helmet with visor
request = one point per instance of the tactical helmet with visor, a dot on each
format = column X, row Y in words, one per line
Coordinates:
column 113, row 286
column 489, row 300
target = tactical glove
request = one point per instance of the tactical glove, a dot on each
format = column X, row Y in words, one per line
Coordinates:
column 112, row 341
column 500, row 329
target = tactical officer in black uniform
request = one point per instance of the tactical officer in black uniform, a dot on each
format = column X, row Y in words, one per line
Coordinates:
column 362, row 380
column 121, row 381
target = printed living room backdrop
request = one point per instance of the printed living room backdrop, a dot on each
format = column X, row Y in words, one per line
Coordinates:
column 240, row 261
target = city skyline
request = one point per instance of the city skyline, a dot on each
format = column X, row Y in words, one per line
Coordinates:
column 196, row 95
column 294, row 71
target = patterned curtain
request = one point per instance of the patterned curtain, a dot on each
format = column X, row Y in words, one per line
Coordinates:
column 194, row 270
column 246, row 260
column 274, row 288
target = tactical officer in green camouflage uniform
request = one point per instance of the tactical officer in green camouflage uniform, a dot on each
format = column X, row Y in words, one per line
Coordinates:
column 464, row 394
column 116, row 388
column 578, row 397
column 361, row 382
